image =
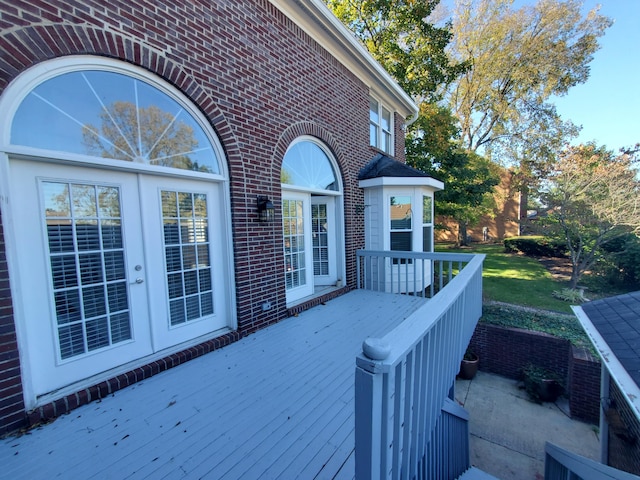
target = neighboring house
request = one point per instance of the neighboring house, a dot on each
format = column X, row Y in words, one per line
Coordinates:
column 507, row 218
column 175, row 176
column 613, row 325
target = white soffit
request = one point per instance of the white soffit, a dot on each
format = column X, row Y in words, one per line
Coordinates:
column 315, row 18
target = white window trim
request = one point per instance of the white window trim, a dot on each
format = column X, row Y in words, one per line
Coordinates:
column 380, row 132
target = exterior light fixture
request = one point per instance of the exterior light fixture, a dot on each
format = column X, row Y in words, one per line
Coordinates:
column 266, row 210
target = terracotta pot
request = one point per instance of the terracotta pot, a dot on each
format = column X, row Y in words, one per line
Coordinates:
column 469, row 368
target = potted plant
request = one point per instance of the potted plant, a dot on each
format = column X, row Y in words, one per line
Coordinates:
column 469, row 365
column 541, row 384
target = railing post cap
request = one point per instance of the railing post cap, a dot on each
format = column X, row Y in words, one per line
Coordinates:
column 376, row 349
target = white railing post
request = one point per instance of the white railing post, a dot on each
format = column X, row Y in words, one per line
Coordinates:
column 370, row 420
column 403, row 380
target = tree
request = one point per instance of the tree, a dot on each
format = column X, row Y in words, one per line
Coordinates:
column 399, row 36
column 144, row 134
column 519, row 59
column 594, row 199
column 469, row 178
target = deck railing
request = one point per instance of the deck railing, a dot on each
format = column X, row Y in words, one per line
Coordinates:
column 417, row 273
column 559, row 464
column 404, row 379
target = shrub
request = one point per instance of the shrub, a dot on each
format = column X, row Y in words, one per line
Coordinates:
column 571, row 295
column 541, row 384
column 557, row 324
column 535, row 246
column 621, row 262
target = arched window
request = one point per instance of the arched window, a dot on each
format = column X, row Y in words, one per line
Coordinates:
column 108, row 114
column 307, row 165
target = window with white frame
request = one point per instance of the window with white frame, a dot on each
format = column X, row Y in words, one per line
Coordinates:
column 400, row 217
column 427, row 223
column 380, row 126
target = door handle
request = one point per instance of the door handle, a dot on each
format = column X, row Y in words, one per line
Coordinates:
column 138, row 280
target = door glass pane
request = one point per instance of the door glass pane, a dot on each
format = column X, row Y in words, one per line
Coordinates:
column 319, row 225
column 86, row 257
column 186, row 249
column 294, row 248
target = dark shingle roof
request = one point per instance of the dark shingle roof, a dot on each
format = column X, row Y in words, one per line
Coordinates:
column 384, row 166
column 617, row 319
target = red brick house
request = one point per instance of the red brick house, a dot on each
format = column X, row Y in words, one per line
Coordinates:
column 174, row 176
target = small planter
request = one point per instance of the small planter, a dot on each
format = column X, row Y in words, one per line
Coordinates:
column 469, row 366
column 542, row 385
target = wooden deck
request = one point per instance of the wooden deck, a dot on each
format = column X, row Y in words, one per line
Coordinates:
column 276, row 404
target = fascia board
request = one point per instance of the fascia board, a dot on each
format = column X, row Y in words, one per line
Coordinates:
column 627, row 385
column 429, row 182
column 315, row 19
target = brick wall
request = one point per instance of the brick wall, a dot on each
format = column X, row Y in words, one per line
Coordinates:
column 584, row 385
column 624, row 433
column 11, row 402
column 259, row 80
column 505, row 351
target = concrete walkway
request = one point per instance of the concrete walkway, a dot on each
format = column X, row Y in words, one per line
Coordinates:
column 508, row 431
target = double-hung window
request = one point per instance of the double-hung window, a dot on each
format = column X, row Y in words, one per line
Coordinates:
column 427, row 223
column 380, row 126
column 400, row 213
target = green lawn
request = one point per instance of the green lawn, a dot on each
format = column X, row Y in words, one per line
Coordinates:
column 515, row 279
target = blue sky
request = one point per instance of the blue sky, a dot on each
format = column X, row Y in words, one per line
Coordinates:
column 608, row 104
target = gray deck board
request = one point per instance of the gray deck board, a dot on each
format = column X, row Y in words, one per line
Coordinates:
column 276, row 404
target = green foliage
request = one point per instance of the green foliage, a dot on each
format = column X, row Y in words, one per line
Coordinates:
column 469, row 180
column 430, row 138
column 620, row 264
column 519, row 59
column 534, row 379
column 594, row 199
column 399, row 36
column 574, row 296
column 556, row 324
column 535, row 246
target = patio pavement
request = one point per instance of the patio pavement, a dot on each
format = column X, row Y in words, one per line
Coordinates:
column 508, row 431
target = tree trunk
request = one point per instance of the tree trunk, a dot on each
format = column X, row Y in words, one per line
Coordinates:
column 463, row 239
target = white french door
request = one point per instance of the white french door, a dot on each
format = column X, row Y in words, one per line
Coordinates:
column 323, row 228
column 298, row 256
column 310, row 243
column 189, row 289
column 113, row 267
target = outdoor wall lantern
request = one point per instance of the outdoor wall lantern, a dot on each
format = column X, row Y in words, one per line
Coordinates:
column 266, row 210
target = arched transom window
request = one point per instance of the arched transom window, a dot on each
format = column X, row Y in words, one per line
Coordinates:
column 306, row 165
column 107, row 114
